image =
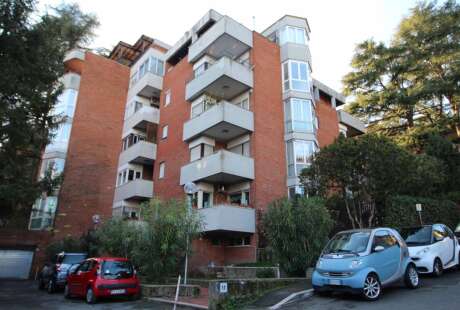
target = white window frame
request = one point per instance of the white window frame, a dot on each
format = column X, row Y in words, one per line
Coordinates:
column 306, row 117
column 167, row 97
column 164, row 132
column 292, row 34
column 162, row 170
column 293, row 146
column 288, row 78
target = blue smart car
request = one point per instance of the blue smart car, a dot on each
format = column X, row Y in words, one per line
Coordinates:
column 363, row 261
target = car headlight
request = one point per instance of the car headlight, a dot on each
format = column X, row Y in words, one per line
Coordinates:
column 319, row 263
column 356, row 263
column 422, row 251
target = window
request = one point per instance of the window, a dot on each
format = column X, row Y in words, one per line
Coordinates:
column 293, row 35
column 55, row 165
column 295, row 76
column 385, row 239
column 151, row 64
column 164, row 132
column 42, row 214
column 242, row 149
column 161, row 175
column 240, row 241
column 299, row 153
column 200, row 151
column 60, row 137
column 167, row 97
column 296, row 191
column 300, row 115
column 203, row 104
column 207, row 203
column 65, row 105
column 127, row 175
column 239, row 198
column 201, row 69
column 242, row 101
column 131, row 139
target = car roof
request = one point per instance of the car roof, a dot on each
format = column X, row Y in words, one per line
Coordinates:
column 369, row 230
column 109, row 258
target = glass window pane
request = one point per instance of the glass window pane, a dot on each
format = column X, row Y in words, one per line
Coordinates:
column 303, row 71
column 246, row 149
column 286, row 71
column 197, row 109
column 294, row 70
column 195, row 153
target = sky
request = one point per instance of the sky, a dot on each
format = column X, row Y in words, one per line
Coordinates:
column 337, row 26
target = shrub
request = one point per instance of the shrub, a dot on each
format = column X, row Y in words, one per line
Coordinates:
column 400, row 212
column 265, row 273
column 297, row 232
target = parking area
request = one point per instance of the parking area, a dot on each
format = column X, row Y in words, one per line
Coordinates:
column 435, row 293
column 23, row 294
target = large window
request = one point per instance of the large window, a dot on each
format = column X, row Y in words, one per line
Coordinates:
column 127, row 175
column 300, row 115
column 42, row 215
column 65, row 105
column 131, row 139
column 295, row 76
column 54, row 165
column 293, row 35
column 202, row 104
column 60, row 137
column 200, row 151
column 299, row 153
column 242, row 149
column 151, row 64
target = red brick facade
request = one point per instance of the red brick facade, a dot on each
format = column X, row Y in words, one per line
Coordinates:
column 94, row 146
column 328, row 121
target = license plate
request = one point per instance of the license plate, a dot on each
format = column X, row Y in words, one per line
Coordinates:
column 335, row 282
column 117, row 292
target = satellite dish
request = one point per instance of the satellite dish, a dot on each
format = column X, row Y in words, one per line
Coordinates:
column 190, row 188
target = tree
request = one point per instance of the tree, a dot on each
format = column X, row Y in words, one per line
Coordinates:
column 158, row 242
column 32, row 48
column 412, row 82
column 364, row 171
column 297, row 231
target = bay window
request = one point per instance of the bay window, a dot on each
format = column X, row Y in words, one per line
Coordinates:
column 295, row 76
column 152, row 65
column 300, row 115
column 293, row 35
column 299, row 153
column 65, row 105
column 42, row 214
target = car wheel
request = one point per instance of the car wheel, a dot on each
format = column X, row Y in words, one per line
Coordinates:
column 372, row 287
column 67, row 292
column 437, row 268
column 90, row 297
column 411, row 278
column 51, row 287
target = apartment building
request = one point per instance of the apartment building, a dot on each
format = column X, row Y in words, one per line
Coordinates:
column 233, row 111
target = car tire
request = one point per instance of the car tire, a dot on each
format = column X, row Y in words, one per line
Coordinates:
column 437, row 268
column 372, row 288
column 90, row 297
column 51, row 287
column 67, row 294
column 411, row 278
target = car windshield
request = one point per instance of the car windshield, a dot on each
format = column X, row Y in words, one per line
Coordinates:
column 71, row 258
column 117, row 269
column 416, row 236
column 348, row 242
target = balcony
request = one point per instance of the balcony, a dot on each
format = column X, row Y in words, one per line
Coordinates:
column 149, row 85
column 222, row 122
column 222, row 167
column 225, row 38
column 225, row 79
column 141, row 118
column 228, row 218
column 134, row 190
column 143, row 153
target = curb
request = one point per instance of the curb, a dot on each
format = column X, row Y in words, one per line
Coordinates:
column 179, row 303
column 293, row 297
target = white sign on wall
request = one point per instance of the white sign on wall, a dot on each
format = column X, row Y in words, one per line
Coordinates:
column 223, row 287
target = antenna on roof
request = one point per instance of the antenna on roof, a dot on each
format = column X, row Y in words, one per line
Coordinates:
column 253, row 23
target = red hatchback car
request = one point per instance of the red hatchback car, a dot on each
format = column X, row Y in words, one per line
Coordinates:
column 102, row 277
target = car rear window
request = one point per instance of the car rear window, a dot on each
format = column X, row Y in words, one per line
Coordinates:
column 117, row 270
column 417, row 236
column 73, row 259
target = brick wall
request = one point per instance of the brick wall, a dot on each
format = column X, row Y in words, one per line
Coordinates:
column 94, row 146
column 328, row 121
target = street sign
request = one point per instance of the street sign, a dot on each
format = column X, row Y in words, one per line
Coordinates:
column 418, row 207
column 223, row 287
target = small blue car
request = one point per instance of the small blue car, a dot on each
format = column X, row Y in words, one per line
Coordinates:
column 363, row 261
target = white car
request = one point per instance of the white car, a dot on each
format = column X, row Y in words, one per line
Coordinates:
column 433, row 248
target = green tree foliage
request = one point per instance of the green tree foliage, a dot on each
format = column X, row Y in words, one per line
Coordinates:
column 400, row 212
column 87, row 243
column 363, row 172
column 297, row 231
column 158, row 242
column 32, row 48
column 412, row 83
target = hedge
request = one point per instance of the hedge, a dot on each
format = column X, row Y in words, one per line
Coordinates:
column 400, row 212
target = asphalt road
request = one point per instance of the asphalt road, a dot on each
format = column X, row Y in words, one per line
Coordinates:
column 25, row 295
column 435, row 293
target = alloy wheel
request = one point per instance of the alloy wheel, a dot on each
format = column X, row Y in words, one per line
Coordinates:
column 413, row 276
column 371, row 287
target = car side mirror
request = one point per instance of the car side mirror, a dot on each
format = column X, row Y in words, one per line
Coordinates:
column 379, row 248
column 438, row 238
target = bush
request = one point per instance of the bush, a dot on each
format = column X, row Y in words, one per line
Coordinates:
column 265, row 273
column 297, row 232
column 155, row 244
column 87, row 243
column 400, row 212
